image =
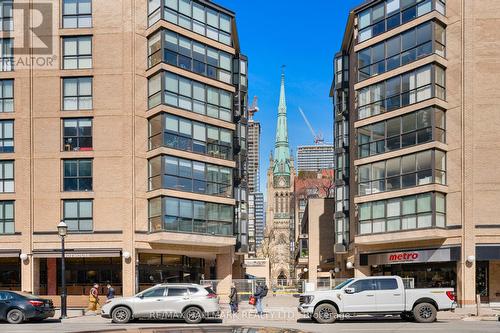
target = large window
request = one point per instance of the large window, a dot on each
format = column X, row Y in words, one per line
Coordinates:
column 390, row 14
column 413, row 44
column 408, row 130
column 407, row 171
column 192, row 176
column 6, row 16
column 77, row 52
column 6, row 176
column 185, row 53
column 421, row 211
column 6, row 95
column 7, row 217
column 179, row 215
column 402, row 90
column 177, row 91
column 192, row 16
column 77, row 93
column 77, row 134
column 183, row 134
column 6, row 136
column 77, row 13
column 6, row 56
column 77, row 214
column 77, row 175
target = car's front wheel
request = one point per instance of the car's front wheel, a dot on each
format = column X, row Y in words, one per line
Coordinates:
column 325, row 314
column 121, row 315
column 193, row 315
column 425, row 313
column 15, row 316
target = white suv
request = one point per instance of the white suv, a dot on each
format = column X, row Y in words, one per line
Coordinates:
column 190, row 302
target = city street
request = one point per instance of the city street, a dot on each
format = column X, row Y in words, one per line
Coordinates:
column 97, row 324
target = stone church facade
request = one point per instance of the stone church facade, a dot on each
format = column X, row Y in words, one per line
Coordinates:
column 279, row 209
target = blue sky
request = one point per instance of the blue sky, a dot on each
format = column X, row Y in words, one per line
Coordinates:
column 304, row 36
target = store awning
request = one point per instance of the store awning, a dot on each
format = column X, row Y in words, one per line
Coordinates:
column 77, row 253
column 488, row 252
column 10, row 253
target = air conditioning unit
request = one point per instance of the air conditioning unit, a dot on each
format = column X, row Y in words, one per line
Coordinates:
column 339, row 249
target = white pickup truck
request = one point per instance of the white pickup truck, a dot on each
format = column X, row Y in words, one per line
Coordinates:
column 384, row 295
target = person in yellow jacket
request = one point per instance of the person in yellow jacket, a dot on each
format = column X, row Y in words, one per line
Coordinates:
column 94, row 299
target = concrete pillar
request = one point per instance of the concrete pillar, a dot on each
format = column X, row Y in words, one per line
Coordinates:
column 466, row 284
column 36, row 276
column 362, row 271
column 129, row 274
column 224, row 266
column 52, row 276
column 26, row 275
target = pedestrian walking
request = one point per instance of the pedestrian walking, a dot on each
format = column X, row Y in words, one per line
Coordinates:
column 260, row 293
column 111, row 292
column 234, row 299
column 94, row 298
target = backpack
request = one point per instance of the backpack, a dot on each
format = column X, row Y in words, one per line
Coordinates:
column 264, row 291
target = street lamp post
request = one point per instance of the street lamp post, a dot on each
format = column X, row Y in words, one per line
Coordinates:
column 62, row 230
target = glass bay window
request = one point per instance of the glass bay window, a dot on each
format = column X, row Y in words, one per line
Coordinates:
column 192, row 176
column 423, row 211
column 409, row 88
column 179, row 133
column 188, row 216
column 174, row 49
column 426, row 167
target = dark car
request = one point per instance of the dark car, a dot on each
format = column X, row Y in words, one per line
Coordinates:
column 16, row 307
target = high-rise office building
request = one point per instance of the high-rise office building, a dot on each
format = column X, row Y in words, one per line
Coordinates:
column 315, row 157
column 416, row 126
column 133, row 134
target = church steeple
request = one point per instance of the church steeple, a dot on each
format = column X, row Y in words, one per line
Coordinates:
column 281, row 147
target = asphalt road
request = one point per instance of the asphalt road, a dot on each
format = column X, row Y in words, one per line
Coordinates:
column 97, row 324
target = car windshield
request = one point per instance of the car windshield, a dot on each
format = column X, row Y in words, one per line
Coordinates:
column 341, row 285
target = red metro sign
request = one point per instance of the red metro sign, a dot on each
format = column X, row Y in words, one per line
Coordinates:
column 404, row 256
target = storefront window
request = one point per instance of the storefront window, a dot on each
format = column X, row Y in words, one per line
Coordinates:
column 81, row 274
column 422, row 275
column 167, row 268
column 10, row 274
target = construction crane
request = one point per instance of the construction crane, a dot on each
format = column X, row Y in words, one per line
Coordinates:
column 318, row 138
column 252, row 109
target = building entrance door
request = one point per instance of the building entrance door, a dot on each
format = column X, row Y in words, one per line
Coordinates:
column 482, row 287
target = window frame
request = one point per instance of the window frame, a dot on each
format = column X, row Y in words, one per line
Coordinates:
column 7, row 19
column 371, row 147
column 366, row 187
column 77, row 56
column 4, row 179
column 220, row 71
column 165, row 94
column 78, row 137
column 7, row 54
column 165, row 174
column 3, row 139
column 206, row 29
column 207, row 226
column 415, row 214
column 385, row 101
column 383, row 23
column 4, row 220
column 214, row 148
column 79, row 217
column 78, row 177
column 78, row 95
column 77, row 16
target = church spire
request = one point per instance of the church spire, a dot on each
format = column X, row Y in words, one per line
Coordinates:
column 281, row 147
